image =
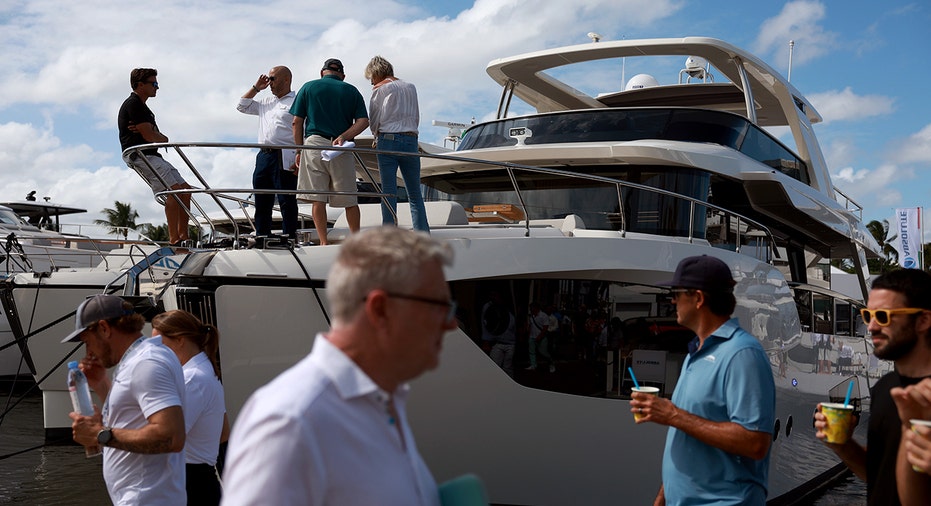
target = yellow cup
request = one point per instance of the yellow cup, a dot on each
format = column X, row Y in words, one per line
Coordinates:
column 839, row 417
column 644, row 390
column 914, row 422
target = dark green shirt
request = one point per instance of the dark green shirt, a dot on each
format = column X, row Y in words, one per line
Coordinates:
column 329, row 106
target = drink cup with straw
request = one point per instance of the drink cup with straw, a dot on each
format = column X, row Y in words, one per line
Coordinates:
column 640, row 389
column 839, row 418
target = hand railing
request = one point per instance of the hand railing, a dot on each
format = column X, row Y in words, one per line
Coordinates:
column 743, row 226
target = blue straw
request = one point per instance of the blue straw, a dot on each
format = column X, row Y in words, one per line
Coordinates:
column 849, row 391
column 631, row 371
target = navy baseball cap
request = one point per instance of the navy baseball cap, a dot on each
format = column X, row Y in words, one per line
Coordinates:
column 704, row 273
column 94, row 309
column 334, row 65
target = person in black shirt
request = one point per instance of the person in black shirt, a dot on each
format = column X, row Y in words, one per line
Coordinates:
column 898, row 318
column 137, row 126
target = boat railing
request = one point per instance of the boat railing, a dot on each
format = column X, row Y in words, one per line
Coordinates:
column 850, row 204
column 744, row 228
column 22, row 251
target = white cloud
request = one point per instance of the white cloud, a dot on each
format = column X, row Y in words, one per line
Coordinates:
column 66, row 68
column 798, row 21
column 846, row 105
column 873, row 187
column 915, row 149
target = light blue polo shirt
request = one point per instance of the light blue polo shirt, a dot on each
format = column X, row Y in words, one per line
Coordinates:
column 729, row 379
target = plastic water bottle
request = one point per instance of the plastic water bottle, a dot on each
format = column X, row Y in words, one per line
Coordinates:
column 81, row 398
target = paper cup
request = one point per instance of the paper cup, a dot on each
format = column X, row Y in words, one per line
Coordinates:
column 915, row 422
column 839, row 417
column 644, row 390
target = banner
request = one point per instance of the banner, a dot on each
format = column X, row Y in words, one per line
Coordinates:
column 908, row 242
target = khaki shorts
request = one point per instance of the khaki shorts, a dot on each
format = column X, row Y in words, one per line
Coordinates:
column 338, row 174
column 165, row 175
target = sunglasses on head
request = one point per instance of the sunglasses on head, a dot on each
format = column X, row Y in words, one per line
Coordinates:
column 883, row 317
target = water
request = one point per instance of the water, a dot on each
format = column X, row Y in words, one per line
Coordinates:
column 52, row 475
column 56, row 475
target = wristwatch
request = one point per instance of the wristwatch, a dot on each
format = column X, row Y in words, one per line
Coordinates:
column 105, row 436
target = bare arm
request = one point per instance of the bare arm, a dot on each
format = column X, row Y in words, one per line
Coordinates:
column 163, row 434
column 913, row 402
column 357, row 128
column 260, row 84
column 728, row 436
column 149, row 133
column 297, row 129
column 660, row 497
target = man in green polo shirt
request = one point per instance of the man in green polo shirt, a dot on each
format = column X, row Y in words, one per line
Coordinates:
column 328, row 112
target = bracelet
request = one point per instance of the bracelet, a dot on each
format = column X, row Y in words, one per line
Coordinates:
column 256, row 89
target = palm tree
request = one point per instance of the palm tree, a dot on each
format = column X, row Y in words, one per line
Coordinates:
column 158, row 233
column 120, row 220
column 890, row 259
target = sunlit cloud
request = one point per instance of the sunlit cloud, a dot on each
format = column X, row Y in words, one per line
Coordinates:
column 798, row 21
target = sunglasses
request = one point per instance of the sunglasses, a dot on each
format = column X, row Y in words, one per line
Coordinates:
column 153, row 83
column 883, row 317
column 676, row 292
column 271, row 78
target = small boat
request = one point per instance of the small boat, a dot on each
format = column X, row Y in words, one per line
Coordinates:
column 582, row 198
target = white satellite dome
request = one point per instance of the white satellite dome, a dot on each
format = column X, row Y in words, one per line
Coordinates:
column 695, row 63
column 641, row 81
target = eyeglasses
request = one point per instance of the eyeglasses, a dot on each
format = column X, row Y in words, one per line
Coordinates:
column 884, row 316
column 271, row 78
column 450, row 304
column 153, row 83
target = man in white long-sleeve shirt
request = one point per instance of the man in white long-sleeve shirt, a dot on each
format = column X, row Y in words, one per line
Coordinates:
column 274, row 167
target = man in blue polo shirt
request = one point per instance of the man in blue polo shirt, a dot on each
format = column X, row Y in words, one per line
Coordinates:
column 722, row 411
column 328, row 112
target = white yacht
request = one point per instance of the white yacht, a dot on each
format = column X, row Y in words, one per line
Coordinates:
column 582, row 198
column 34, row 245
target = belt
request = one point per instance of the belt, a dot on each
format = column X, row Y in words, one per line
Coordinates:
column 409, row 134
column 327, row 137
column 269, row 150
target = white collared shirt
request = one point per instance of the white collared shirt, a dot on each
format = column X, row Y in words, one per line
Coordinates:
column 320, row 433
column 274, row 117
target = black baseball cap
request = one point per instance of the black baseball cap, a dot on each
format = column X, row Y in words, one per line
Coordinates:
column 706, row 273
column 334, row 65
column 92, row 310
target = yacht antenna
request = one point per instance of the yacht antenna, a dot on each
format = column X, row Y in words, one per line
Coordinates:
column 791, row 49
column 454, row 134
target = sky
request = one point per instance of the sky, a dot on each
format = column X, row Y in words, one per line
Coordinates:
column 65, row 72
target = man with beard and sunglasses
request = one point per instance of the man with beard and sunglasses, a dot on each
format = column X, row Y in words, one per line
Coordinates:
column 898, row 318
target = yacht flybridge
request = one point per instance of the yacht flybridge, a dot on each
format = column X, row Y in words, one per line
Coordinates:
column 582, row 202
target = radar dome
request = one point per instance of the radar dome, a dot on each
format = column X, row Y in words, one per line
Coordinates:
column 695, row 63
column 641, row 81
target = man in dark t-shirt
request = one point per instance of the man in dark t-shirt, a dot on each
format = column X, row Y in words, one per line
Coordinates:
column 898, row 318
column 137, row 126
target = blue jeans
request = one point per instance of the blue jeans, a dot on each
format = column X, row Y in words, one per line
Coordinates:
column 269, row 175
column 388, row 166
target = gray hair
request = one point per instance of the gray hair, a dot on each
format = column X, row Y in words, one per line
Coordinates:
column 378, row 67
column 387, row 258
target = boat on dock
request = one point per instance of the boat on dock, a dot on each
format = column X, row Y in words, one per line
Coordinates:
column 583, row 199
